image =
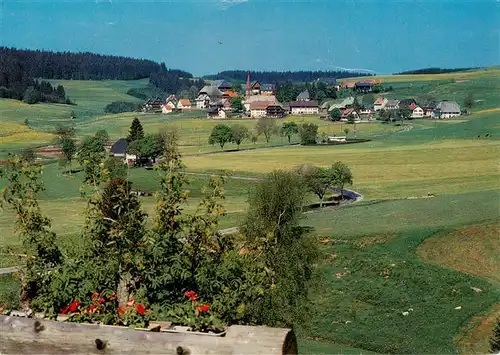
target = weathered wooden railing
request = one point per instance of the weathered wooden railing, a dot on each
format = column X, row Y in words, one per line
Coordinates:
column 38, row 336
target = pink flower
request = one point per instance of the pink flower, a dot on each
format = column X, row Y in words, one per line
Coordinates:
column 101, row 300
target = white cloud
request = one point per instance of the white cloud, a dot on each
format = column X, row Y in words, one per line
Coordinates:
column 227, row 3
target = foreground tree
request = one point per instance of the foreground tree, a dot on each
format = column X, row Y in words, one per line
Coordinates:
column 267, row 127
column 91, row 154
column 282, row 247
column 221, row 134
column 115, row 228
column 136, row 131
column 308, row 133
column 317, row 179
column 40, row 256
column 342, row 176
column 68, row 147
column 288, row 129
column 238, row 134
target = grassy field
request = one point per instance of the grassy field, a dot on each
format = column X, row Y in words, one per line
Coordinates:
column 393, row 252
column 373, row 274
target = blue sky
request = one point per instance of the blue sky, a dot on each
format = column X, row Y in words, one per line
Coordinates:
column 207, row 36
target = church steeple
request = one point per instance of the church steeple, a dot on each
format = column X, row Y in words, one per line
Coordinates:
column 249, row 87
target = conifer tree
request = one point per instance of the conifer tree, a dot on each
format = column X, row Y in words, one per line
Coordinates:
column 136, row 131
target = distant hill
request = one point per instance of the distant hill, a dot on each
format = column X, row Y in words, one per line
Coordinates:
column 281, row 77
column 434, row 71
column 20, row 67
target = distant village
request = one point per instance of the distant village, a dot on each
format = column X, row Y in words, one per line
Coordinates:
column 260, row 100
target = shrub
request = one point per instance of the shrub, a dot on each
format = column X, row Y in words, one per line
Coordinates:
column 308, row 133
column 121, row 106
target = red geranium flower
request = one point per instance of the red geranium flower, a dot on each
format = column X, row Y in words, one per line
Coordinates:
column 73, row 307
column 203, row 308
column 101, row 300
column 121, row 309
column 191, row 295
column 141, row 309
column 95, row 295
column 91, row 308
column 65, row 310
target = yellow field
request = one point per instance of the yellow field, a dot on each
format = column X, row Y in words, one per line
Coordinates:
column 7, row 128
column 395, row 172
column 489, row 72
column 27, row 137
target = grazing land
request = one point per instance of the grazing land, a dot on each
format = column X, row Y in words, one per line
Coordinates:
column 399, row 268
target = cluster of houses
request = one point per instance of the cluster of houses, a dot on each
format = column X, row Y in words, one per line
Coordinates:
column 260, row 101
column 443, row 109
column 170, row 104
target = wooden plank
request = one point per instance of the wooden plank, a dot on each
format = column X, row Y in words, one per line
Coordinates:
column 33, row 336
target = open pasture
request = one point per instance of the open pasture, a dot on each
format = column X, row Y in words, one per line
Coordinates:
column 378, row 294
column 395, row 172
column 467, row 75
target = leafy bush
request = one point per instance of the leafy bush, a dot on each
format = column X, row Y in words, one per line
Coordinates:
column 308, row 133
column 121, row 106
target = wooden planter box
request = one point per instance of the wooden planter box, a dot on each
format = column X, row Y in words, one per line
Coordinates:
column 36, row 336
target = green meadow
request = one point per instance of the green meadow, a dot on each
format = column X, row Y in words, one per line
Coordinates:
column 399, row 269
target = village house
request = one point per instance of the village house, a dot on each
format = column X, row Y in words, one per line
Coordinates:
column 406, row 103
column 202, row 101
column 275, row 110
column 258, row 109
column 222, row 85
column 363, row 86
column 304, row 107
column 348, row 85
column 379, row 103
column 255, row 87
column 216, row 112
column 346, row 103
column 229, row 94
column 258, row 98
column 303, row 96
column 119, row 150
column 267, row 89
column 392, row 105
column 416, row 111
column 349, row 112
column 366, row 111
column 447, row 109
column 184, row 105
column 153, row 105
column 429, row 109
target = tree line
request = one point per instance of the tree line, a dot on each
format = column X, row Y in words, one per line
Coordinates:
column 223, row 133
column 318, row 90
column 77, row 65
column 302, row 76
column 19, row 69
column 176, row 82
column 434, row 71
